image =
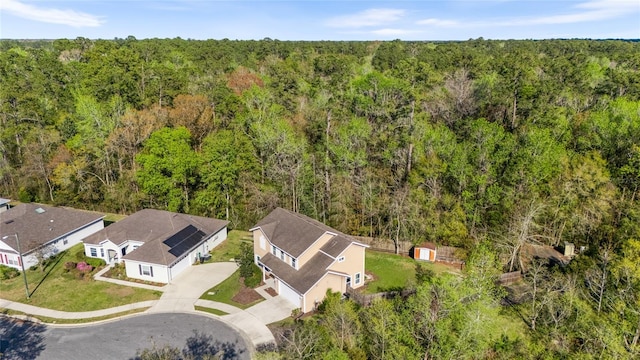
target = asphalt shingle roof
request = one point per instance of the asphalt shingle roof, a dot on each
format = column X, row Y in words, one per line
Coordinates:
column 166, row 235
column 37, row 224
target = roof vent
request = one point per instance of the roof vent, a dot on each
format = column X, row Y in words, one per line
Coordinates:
column 40, row 210
column 8, row 221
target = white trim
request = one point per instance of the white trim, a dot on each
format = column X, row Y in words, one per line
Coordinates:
column 327, row 254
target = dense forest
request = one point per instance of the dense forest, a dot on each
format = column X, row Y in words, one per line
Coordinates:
column 484, row 145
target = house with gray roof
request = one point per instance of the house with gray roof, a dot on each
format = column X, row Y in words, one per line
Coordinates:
column 4, row 205
column 306, row 257
column 39, row 231
column 156, row 245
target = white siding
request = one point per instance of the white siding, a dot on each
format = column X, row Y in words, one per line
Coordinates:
column 160, row 272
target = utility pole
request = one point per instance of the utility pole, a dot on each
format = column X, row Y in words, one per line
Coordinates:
column 24, row 274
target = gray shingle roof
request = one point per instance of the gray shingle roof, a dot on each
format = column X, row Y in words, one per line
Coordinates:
column 38, row 224
column 293, row 232
column 166, row 235
column 303, row 279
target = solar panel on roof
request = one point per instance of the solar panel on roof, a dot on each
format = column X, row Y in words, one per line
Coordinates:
column 184, row 240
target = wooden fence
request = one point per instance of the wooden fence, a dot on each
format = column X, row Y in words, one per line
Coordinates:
column 385, row 245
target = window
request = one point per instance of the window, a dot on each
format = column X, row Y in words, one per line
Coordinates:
column 12, row 261
column 273, row 249
column 257, row 258
column 357, row 278
column 65, row 241
column 341, row 259
column 101, row 252
column 281, row 255
column 146, row 270
column 293, row 263
column 94, row 252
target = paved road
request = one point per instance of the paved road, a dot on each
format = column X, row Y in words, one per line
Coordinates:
column 123, row 338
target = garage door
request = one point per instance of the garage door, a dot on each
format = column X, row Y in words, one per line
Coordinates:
column 289, row 294
column 179, row 267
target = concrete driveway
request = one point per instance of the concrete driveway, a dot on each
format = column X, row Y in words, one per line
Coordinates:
column 184, row 290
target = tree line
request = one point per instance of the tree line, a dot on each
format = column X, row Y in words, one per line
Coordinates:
column 505, row 143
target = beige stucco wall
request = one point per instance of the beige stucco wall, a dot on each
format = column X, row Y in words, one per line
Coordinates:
column 313, row 249
column 353, row 263
column 318, row 292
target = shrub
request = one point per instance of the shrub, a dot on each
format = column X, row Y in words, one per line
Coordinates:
column 255, row 278
column 7, row 272
column 69, row 265
column 84, row 267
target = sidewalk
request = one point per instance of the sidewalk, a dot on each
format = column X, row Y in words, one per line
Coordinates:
column 57, row 314
column 98, row 276
column 181, row 297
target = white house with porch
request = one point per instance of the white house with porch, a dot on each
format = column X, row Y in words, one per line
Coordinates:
column 156, row 245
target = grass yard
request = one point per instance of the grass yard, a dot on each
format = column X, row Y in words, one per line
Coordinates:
column 230, row 248
column 49, row 320
column 227, row 290
column 210, row 310
column 391, row 271
column 55, row 289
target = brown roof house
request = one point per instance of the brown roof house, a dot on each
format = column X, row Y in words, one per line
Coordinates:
column 39, row 231
column 156, row 245
column 306, row 257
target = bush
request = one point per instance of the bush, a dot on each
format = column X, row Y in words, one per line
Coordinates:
column 7, row 272
column 69, row 265
column 84, row 267
column 255, row 278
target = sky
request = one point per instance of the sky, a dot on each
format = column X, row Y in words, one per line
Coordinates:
column 320, row 20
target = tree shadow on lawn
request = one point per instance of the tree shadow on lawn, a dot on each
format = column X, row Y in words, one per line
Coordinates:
column 198, row 346
column 19, row 339
column 58, row 259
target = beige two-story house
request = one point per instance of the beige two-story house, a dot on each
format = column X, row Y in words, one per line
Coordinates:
column 306, row 257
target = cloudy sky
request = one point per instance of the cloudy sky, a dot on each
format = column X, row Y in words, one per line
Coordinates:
column 321, row 20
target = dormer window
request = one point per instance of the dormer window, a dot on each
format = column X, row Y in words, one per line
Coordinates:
column 273, row 250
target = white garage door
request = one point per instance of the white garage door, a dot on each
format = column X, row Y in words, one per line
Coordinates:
column 179, row 267
column 288, row 293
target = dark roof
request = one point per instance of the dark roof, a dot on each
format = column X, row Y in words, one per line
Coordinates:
column 293, row 232
column 165, row 235
column 336, row 245
column 37, row 224
column 428, row 245
column 303, row 279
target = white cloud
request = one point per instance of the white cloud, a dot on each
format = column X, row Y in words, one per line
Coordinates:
column 438, row 22
column 593, row 11
column 588, row 11
column 54, row 16
column 371, row 17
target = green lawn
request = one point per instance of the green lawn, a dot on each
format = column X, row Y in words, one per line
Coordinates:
column 230, row 248
column 49, row 320
column 210, row 310
column 393, row 271
column 226, row 290
column 55, row 289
